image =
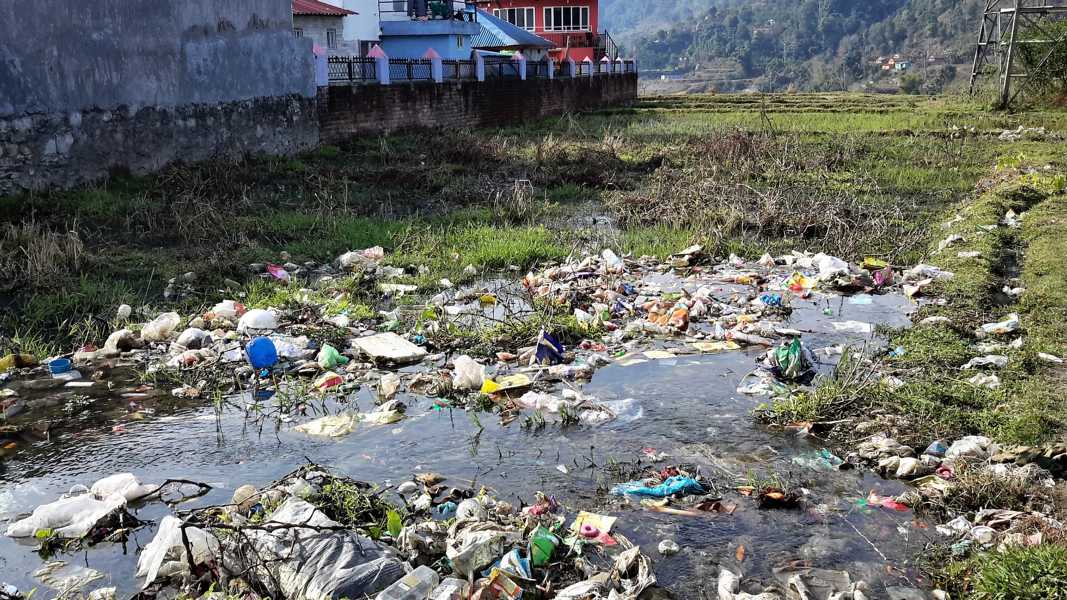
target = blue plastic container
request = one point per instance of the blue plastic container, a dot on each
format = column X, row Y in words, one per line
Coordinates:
column 59, row 366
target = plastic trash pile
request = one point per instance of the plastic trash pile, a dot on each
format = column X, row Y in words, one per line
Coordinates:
column 316, row 534
column 630, row 311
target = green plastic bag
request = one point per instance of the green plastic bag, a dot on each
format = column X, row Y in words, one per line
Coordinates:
column 330, row 358
column 791, row 360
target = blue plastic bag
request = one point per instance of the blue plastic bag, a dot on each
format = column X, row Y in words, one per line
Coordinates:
column 549, row 350
column 261, row 353
column 679, row 484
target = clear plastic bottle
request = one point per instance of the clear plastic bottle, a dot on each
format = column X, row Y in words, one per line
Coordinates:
column 451, row 589
column 416, row 585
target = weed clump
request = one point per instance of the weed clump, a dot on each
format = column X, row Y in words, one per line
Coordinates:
column 1035, row 573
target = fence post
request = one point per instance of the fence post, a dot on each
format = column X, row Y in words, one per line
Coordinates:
column 620, row 67
column 550, row 65
column 520, row 64
column 589, row 63
column 572, row 69
column 437, row 67
column 381, row 64
column 479, row 67
column 322, row 69
column 605, row 66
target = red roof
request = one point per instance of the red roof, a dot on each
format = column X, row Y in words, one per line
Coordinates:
column 319, row 9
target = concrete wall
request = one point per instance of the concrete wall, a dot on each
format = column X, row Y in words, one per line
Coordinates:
column 314, row 28
column 86, row 85
column 347, row 111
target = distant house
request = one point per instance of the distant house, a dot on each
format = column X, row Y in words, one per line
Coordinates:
column 409, row 28
column 323, row 23
column 498, row 35
column 361, row 29
column 571, row 25
column 902, row 65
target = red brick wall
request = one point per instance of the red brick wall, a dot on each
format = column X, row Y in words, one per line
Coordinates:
column 346, row 111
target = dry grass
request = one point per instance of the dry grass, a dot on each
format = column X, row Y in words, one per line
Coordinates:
column 32, row 255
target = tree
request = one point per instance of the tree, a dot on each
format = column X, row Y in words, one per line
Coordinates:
column 911, row 84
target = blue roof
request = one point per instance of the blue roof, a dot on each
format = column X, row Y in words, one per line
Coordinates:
column 498, row 33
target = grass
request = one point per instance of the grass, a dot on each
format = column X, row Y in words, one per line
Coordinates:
column 770, row 172
column 1017, row 573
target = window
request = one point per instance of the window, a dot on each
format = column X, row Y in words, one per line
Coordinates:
column 459, row 41
column 298, row 32
column 567, row 18
column 331, row 38
column 519, row 17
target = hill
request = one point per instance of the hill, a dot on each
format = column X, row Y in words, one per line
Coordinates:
column 798, row 44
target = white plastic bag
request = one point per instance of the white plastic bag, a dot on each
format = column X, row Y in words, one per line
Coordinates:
column 612, row 262
column 330, row 425
column 165, row 555
column 257, row 321
column 829, row 265
column 226, row 309
column 70, row 518
column 124, row 484
column 161, row 328
column 468, row 375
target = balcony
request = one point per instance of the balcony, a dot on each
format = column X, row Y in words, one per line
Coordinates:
column 427, row 17
column 601, row 43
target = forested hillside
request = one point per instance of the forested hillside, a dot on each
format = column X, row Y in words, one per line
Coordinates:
column 802, row 44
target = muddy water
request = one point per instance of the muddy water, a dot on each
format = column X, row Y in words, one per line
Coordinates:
column 688, row 408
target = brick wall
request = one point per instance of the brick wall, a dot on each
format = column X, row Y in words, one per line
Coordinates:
column 346, row 111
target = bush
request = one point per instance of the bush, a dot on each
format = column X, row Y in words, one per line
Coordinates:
column 1038, row 573
column 911, row 84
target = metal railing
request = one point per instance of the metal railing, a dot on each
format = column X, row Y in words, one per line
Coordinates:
column 501, row 68
column 348, row 70
column 453, row 70
column 538, row 69
column 416, row 69
column 351, row 69
column 426, row 10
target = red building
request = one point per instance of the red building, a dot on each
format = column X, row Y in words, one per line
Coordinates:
column 572, row 25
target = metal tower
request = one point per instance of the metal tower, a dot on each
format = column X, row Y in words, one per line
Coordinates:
column 1007, row 26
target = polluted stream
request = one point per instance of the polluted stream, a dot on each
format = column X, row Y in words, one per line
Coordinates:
column 674, row 404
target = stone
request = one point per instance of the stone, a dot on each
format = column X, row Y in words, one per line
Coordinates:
column 910, row 468
column 193, row 338
column 889, row 464
column 245, row 496
column 669, row 548
column 880, row 447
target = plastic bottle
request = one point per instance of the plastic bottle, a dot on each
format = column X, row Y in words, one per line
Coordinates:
column 451, row 589
column 416, row 585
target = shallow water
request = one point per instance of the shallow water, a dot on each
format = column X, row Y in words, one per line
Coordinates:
column 688, row 408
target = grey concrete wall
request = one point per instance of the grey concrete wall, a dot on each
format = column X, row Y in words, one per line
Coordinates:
column 75, row 76
column 74, row 54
